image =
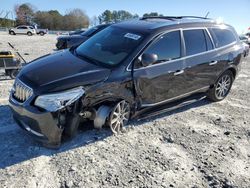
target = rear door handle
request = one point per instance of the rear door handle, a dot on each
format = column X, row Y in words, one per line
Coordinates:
column 178, row 72
column 213, row 63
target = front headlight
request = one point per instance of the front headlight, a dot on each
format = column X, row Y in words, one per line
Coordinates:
column 57, row 101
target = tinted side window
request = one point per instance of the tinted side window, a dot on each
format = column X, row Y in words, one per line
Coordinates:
column 195, row 41
column 223, row 36
column 21, row 28
column 168, row 47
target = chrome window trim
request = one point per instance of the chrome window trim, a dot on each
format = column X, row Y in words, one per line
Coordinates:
column 177, row 97
column 184, row 57
column 211, row 38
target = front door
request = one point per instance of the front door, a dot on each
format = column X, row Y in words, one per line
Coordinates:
column 163, row 80
column 21, row 30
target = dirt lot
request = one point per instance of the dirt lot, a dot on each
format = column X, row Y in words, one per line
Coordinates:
column 203, row 144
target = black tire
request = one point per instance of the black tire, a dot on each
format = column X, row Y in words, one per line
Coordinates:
column 222, row 87
column 29, row 34
column 13, row 73
column 12, row 33
column 70, row 131
column 41, row 33
column 62, row 46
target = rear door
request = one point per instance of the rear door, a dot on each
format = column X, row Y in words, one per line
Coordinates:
column 164, row 80
column 201, row 61
column 21, row 30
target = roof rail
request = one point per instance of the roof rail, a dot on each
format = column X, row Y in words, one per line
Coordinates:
column 172, row 17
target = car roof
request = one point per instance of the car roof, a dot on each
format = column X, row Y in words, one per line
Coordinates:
column 150, row 24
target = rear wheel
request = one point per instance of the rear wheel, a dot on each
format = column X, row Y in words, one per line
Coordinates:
column 41, row 33
column 119, row 116
column 222, row 87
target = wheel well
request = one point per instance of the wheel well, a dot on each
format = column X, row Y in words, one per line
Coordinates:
column 233, row 71
column 230, row 69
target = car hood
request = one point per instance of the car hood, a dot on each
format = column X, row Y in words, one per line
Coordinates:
column 61, row 70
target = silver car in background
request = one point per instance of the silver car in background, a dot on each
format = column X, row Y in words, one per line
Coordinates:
column 22, row 29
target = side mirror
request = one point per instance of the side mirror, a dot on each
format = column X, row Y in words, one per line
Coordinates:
column 148, row 59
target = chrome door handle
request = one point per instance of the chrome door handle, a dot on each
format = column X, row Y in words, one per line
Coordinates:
column 178, row 72
column 213, row 63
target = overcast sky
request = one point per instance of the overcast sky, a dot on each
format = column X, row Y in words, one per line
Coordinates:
column 236, row 13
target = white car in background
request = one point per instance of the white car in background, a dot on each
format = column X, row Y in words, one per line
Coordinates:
column 246, row 49
column 22, row 29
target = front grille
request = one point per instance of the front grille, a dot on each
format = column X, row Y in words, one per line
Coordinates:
column 21, row 91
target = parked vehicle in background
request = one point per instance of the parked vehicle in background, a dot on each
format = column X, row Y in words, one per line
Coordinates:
column 246, row 50
column 64, row 42
column 23, row 29
column 245, row 39
column 41, row 32
column 125, row 71
column 77, row 32
column 29, row 30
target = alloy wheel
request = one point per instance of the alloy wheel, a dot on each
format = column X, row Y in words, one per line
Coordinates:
column 119, row 116
column 223, row 86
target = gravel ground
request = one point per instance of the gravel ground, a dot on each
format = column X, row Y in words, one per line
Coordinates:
column 203, row 144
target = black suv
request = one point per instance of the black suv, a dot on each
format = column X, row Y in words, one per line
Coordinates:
column 123, row 70
column 76, row 39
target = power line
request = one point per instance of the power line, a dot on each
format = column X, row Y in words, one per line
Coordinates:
column 1, row 12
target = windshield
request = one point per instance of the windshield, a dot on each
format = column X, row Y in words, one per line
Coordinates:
column 110, row 46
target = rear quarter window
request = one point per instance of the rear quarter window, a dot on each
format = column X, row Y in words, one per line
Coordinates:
column 222, row 37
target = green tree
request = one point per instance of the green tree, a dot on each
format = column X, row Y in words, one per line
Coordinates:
column 106, row 17
column 115, row 16
column 49, row 19
column 152, row 14
column 24, row 13
column 4, row 22
column 76, row 19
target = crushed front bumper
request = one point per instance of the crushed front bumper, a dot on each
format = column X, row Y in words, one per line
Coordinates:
column 43, row 126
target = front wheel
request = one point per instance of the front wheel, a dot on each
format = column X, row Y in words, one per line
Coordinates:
column 29, row 34
column 222, row 87
column 119, row 116
column 12, row 33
